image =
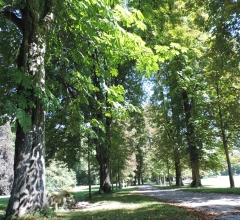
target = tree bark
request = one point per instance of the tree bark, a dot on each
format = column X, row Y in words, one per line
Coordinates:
column 193, row 150
column 28, row 191
column 225, row 140
column 89, row 171
column 178, row 171
column 104, row 164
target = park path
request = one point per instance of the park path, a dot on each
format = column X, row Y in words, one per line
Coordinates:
column 214, row 205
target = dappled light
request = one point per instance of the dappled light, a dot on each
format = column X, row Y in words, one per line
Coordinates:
column 100, row 98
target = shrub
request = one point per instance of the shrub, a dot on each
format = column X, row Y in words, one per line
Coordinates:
column 58, row 176
column 6, row 159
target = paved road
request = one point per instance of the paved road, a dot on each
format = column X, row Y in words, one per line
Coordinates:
column 220, row 206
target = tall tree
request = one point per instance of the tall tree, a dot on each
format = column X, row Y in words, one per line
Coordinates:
column 29, row 97
column 33, row 19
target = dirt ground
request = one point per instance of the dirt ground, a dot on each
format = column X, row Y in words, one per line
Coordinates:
column 208, row 205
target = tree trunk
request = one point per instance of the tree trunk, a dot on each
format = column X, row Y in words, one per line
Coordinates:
column 193, row 150
column 225, row 140
column 230, row 174
column 104, row 163
column 178, row 171
column 102, row 147
column 28, row 191
column 89, row 175
column 196, row 180
column 168, row 170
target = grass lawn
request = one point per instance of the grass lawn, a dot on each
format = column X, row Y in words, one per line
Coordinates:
column 125, row 204
column 211, row 185
column 3, row 206
column 203, row 189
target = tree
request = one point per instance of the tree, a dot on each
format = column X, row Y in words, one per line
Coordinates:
column 223, row 93
column 33, row 19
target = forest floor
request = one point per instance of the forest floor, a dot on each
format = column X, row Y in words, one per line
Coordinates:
column 215, row 206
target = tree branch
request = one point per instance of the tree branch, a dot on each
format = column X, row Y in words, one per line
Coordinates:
column 12, row 17
column 48, row 12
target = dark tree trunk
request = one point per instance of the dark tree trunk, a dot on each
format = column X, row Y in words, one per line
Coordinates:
column 178, row 171
column 104, row 163
column 102, row 147
column 103, row 157
column 139, row 159
column 168, row 170
column 28, row 191
column 89, row 172
column 193, row 150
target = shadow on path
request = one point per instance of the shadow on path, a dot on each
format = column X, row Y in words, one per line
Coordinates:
column 220, row 206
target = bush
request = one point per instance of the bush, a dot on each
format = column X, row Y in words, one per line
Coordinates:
column 6, row 159
column 58, row 176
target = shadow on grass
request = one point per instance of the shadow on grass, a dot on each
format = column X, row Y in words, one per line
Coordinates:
column 147, row 210
column 123, row 205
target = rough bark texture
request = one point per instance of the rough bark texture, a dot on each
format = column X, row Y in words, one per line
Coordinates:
column 193, row 150
column 104, row 164
column 28, row 191
column 103, row 157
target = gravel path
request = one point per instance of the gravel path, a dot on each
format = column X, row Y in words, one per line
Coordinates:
column 215, row 205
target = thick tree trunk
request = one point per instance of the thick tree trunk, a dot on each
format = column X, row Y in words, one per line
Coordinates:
column 103, row 156
column 178, row 173
column 28, row 191
column 193, row 151
column 196, row 180
column 105, row 183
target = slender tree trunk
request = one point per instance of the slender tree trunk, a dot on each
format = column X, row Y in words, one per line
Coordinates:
column 225, row 141
column 168, row 169
column 28, row 191
column 89, row 176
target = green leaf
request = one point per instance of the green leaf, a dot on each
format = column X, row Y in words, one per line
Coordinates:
column 23, row 119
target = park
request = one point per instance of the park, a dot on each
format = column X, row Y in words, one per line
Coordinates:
column 118, row 96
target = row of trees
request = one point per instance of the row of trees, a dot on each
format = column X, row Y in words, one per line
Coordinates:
column 195, row 106
column 76, row 70
column 64, row 59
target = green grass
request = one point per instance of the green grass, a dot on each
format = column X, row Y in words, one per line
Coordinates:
column 120, row 205
column 3, row 206
column 124, row 205
column 204, row 189
column 214, row 190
